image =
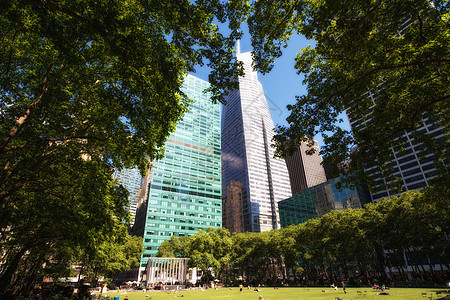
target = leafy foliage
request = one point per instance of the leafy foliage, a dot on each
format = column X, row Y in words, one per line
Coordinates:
column 210, row 250
column 84, row 86
column 386, row 62
column 370, row 241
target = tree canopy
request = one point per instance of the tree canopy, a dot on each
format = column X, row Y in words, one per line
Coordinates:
column 210, row 251
column 361, row 244
column 86, row 86
column 386, row 62
column 89, row 85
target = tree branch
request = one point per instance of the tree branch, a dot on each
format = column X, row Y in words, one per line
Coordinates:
column 11, row 52
column 382, row 68
column 421, row 29
column 425, row 106
column 30, row 109
column 54, row 6
column 411, row 126
column 273, row 32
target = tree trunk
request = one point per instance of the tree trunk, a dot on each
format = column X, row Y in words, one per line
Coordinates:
column 379, row 250
column 30, row 275
column 79, row 275
column 294, row 274
column 7, row 276
column 415, row 264
column 431, row 268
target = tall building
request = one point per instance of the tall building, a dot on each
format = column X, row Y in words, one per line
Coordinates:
column 414, row 166
column 233, row 207
column 185, row 186
column 297, row 209
column 131, row 179
column 247, row 131
column 138, row 227
column 319, row 200
column 305, row 170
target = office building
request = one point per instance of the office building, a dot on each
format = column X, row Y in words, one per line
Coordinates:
column 414, row 167
column 131, row 179
column 328, row 197
column 247, row 157
column 233, row 206
column 297, row 209
column 319, row 200
column 185, row 186
column 305, row 170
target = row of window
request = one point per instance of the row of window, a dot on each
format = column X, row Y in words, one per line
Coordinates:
column 172, row 212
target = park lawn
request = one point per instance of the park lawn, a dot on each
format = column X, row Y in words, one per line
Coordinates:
column 284, row 294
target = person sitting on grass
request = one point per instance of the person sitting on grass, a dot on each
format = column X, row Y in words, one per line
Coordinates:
column 383, row 293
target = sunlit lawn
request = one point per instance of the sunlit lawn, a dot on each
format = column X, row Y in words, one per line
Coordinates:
column 285, row 294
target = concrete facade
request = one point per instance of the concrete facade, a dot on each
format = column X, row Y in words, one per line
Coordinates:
column 305, row 171
column 233, row 206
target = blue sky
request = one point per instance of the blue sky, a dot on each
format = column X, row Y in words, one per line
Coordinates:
column 282, row 84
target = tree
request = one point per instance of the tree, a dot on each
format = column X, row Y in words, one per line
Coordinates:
column 396, row 50
column 435, row 214
column 245, row 258
column 102, row 77
column 210, row 250
column 415, row 224
column 86, row 86
column 371, row 241
column 111, row 254
column 175, row 247
column 290, row 251
column 61, row 223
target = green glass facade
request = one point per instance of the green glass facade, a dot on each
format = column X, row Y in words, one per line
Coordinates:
column 319, row 200
column 185, row 187
column 297, row 209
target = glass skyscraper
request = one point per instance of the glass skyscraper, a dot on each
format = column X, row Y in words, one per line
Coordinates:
column 297, row 209
column 319, row 200
column 247, row 157
column 185, row 186
column 131, row 179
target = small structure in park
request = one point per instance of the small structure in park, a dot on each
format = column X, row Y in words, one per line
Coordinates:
column 166, row 270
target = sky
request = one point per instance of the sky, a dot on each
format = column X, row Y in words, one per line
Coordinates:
column 282, row 84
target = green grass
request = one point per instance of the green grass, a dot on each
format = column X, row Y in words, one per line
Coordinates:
column 284, row 294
